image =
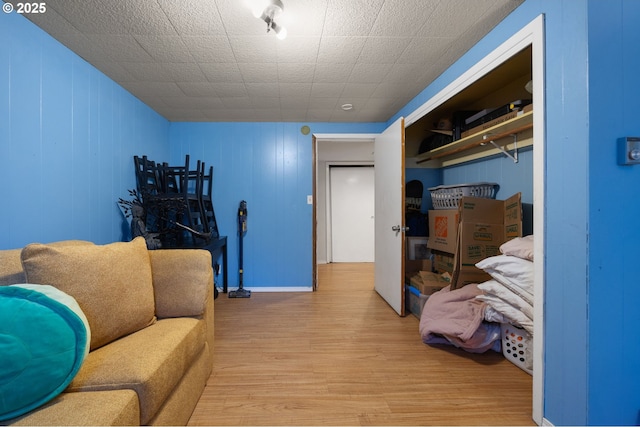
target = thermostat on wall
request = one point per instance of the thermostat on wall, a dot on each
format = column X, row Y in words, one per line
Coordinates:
column 629, row 150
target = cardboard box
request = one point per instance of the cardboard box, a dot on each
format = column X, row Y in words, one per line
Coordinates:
column 431, row 283
column 413, row 267
column 443, row 262
column 443, row 230
column 484, row 225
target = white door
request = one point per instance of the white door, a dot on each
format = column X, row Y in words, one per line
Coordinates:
column 389, row 213
column 352, row 213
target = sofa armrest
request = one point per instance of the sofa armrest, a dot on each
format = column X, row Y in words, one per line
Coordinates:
column 182, row 281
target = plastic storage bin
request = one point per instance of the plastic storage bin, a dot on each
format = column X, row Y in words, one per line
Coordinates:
column 448, row 196
column 414, row 300
column 517, row 346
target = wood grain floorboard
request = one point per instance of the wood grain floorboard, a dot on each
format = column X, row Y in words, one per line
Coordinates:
column 342, row 356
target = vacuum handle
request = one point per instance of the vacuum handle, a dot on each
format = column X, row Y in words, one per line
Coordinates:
column 242, row 217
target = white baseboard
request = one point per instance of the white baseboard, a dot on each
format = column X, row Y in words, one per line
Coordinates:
column 546, row 422
column 276, row 289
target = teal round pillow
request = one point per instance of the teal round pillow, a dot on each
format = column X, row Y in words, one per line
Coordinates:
column 44, row 338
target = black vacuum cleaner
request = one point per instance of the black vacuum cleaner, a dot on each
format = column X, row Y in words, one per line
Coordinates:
column 242, row 228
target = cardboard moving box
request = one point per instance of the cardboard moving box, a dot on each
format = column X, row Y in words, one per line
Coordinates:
column 443, row 230
column 484, row 225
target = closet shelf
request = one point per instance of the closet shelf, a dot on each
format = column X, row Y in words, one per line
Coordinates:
column 478, row 145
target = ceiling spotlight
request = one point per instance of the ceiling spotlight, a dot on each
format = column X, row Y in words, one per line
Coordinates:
column 347, row 107
column 268, row 11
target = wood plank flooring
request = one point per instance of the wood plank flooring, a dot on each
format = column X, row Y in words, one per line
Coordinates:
column 342, row 356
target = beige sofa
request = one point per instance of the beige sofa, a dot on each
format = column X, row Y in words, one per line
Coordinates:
column 151, row 320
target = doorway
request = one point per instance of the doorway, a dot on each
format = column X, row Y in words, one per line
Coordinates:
column 350, row 203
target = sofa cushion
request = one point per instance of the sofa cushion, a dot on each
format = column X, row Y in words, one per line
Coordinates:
column 93, row 408
column 151, row 361
column 112, row 283
column 182, row 278
column 11, row 267
column 44, row 338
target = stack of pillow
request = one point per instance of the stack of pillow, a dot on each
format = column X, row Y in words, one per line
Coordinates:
column 509, row 295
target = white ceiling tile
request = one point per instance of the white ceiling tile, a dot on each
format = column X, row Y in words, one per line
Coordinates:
column 319, row 114
column 383, row 50
column 297, row 103
column 332, row 73
column 230, row 89
column 400, row 73
column 192, row 102
column 147, row 71
column 156, row 21
column 327, row 90
column 90, row 17
column 209, row 48
column 453, row 18
column 369, row 73
column 294, row 114
column 350, row 18
column 297, row 49
column 184, row 71
column 165, row 48
column 259, row 73
column 119, row 48
column 254, row 49
column 182, row 114
column 424, row 50
column 228, row 72
column 153, row 89
column 295, row 72
column 263, row 90
column 324, row 103
column 237, row 102
column 404, row 18
column 192, row 17
column 359, row 90
column 295, row 90
column 115, row 71
column 212, row 60
column 266, row 102
column 266, row 115
column 340, row 49
column 197, row 89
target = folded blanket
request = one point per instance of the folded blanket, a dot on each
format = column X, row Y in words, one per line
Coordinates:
column 456, row 317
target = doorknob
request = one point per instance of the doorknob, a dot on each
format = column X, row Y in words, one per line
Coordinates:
column 398, row 229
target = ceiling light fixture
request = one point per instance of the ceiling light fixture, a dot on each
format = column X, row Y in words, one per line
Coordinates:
column 347, row 107
column 268, row 11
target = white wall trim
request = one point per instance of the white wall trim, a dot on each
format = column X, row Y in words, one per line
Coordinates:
column 346, row 137
column 276, row 289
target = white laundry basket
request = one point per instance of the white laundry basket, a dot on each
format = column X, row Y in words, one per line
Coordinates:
column 517, row 347
column 448, row 196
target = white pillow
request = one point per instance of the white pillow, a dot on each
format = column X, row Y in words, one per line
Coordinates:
column 516, row 274
column 495, row 288
column 521, row 247
column 510, row 312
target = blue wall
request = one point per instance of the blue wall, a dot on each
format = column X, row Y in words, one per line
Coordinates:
column 270, row 166
column 614, row 209
column 67, row 137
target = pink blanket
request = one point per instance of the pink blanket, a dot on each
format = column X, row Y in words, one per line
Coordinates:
column 456, row 317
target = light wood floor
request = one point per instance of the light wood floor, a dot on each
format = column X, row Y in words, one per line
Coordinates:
column 342, row 356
